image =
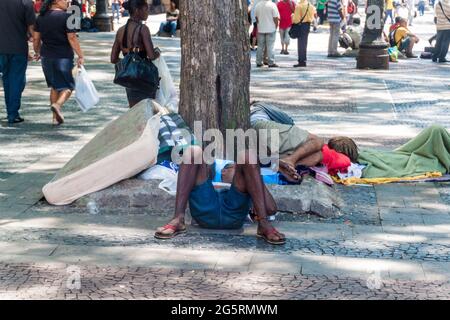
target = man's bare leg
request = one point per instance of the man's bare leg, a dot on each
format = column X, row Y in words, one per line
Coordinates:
column 247, row 179
column 192, row 172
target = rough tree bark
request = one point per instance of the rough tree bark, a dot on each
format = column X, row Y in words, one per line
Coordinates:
column 215, row 63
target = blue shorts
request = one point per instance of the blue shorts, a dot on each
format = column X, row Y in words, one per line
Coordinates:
column 58, row 73
column 223, row 209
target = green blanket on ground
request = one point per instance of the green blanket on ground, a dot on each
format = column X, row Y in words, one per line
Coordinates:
column 428, row 152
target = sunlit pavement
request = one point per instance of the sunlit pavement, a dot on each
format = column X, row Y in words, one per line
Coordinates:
column 391, row 242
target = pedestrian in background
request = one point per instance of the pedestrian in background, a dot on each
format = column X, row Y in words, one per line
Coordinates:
column 115, row 7
column 286, row 8
column 304, row 15
column 442, row 12
column 321, row 10
column 135, row 35
column 267, row 17
column 389, row 10
column 17, row 18
column 171, row 23
column 335, row 17
column 55, row 43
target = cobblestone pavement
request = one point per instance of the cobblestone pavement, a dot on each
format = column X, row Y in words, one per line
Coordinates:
column 391, row 242
column 50, row 282
column 195, row 240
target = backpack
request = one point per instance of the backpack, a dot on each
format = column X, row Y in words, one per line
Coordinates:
column 345, row 41
column 392, row 41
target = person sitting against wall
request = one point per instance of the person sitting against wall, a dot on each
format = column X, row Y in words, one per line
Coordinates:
column 171, row 23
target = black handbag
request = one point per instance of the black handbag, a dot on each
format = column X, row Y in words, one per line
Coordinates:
column 295, row 31
column 136, row 72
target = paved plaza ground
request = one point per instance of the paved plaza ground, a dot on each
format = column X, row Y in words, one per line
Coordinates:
column 391, row 242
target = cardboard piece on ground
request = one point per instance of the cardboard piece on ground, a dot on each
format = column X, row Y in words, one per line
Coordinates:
column 121, row 150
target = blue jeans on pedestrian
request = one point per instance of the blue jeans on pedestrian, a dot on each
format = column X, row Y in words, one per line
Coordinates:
column 13, row 68
column 168, row 26
column 389, row 14
column 116, row 9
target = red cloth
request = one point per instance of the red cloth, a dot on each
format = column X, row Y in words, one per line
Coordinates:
column 393, row 27
column 37, row 6
column 286, row 10
column 335, row 161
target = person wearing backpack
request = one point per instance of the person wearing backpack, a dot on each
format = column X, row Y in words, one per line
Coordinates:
column 442, row 12
column 403, row 39
column 286, row 8
column 304, row 15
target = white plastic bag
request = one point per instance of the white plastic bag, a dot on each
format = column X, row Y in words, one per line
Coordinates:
column 85, row 93
column 167, row 95
column 169, row 178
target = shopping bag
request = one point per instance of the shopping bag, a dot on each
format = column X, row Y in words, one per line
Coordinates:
column 166, row 95
column 85, row 93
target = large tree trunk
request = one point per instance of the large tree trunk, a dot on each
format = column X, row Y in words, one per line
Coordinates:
column 215, row 63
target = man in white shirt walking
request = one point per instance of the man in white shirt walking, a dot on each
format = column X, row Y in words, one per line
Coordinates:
column 268, row 17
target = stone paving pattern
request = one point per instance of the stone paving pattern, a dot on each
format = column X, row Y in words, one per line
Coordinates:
column 391, row 241
column 31, row 281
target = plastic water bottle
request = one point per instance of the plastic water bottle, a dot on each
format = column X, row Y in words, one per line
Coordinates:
column 92, row 207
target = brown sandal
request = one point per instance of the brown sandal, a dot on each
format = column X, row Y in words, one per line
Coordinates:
column 266, row 238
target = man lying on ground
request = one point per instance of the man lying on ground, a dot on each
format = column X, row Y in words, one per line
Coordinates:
column 298, row 146
column 223, row 209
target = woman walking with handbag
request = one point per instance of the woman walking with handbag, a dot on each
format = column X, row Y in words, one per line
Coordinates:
column 134, row 39
column 54, row 43
column 304, row 14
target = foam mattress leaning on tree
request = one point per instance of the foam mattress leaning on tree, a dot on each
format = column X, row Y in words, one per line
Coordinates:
column 428, row 153
column 125, row 147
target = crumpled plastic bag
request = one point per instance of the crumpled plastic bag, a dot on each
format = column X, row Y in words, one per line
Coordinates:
column 168, row 176
column 85, row 93
column 167, row 95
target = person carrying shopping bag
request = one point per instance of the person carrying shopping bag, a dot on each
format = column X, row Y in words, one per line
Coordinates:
column 55, row 43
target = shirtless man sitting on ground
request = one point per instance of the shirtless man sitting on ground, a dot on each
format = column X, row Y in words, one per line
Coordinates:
column 222, row 209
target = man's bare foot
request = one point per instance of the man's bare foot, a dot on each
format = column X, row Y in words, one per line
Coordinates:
column 270, row 234
column 287, row 169
column 175, row 227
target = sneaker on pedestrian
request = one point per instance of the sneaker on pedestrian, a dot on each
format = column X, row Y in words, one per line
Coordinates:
column 286, row 52
column 274, row 65
column 259, row 65
column 282, row 52
column 334, row 55
column 443, row 60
